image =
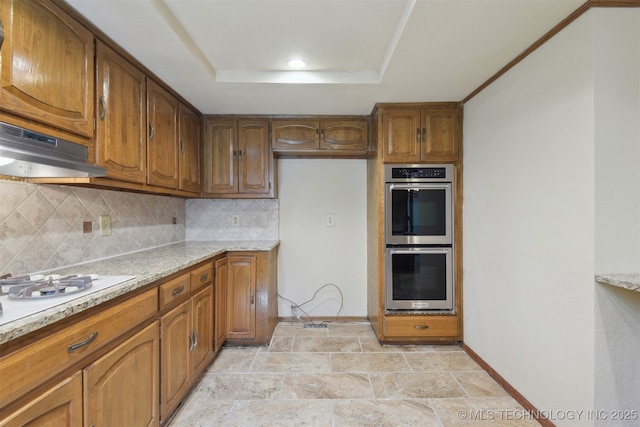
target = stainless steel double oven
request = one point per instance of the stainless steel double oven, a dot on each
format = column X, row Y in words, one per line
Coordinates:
column 419, row 218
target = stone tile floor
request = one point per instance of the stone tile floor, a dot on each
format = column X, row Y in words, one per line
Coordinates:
column 342, row 376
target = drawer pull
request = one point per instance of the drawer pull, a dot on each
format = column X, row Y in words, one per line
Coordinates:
column 204, row 277
column 421, row 326
column 74, row 347
column 177, row 291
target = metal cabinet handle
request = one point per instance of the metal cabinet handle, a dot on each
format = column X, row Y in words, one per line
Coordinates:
column 235, row 154
column 421, row 326
column 240, row 155
column 190, row 341
column 177, row 291
column 424, row 135
column 195, row 338
column 418, row 135
column 1, row 33
column 74, row 347
column 181, row 146
column 103, row 108
column 204, row 276
column 252, row 297
column 152, row 131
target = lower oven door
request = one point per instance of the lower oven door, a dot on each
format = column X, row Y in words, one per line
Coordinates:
column 419, row 279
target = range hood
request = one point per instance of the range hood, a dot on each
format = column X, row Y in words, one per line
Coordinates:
column 28, row 154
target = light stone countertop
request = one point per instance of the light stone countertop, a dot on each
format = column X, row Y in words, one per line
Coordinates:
column 148, row 266
column 626, row 281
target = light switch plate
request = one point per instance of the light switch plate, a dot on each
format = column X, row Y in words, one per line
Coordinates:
column 235, row 220
column 105, row 225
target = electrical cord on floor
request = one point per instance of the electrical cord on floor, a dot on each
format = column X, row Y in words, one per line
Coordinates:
column 299, row 306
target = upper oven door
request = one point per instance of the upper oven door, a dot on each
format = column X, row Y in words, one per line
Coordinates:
column 418, row 214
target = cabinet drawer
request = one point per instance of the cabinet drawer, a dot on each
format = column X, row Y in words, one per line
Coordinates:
column 174, row 290
column 34, row 364
column 421, row 326
column 201, row 276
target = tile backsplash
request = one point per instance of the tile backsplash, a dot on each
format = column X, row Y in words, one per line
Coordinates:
column 211, row 219
column 41, row 226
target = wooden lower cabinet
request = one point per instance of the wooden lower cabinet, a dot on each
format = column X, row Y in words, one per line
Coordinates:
column 220, row 273
column 60, row 406
column 421, row 327
column 121, row 387
column 175, row 329
column 202, row 319
column 252, row 311
column 186, row 335
column 241, row 294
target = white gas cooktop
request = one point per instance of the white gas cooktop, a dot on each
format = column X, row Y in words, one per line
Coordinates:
column 17, row 308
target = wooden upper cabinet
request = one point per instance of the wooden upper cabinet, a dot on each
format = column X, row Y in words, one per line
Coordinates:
column 419, row 135
column 295, row 134
column 442, row 137
column 236, row 157
column 47, row 68
column 253, row 157
column 344, row 135
column 220, row 155
column 401, row 129
column 121, row 144
column 162, row 138
column 340, row 136
column 189, row 144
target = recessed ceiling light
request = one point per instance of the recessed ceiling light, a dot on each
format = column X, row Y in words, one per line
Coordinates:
column 296, row 63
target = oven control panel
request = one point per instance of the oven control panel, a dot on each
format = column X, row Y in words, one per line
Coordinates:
column 399, row 173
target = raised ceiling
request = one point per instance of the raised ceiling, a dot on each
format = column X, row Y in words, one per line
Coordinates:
column 229, row 56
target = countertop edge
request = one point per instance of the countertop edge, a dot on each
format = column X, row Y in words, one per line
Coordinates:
column 625, row 281
column 151, row 265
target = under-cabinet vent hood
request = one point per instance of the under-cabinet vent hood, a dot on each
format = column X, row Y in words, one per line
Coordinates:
column 28, row 154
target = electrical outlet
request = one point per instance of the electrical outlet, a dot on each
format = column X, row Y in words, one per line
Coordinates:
column 174, row 220
column 235, row 220
column 330, row 220
column 105, row 225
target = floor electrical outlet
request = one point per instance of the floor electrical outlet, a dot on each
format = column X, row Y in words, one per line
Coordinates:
column 315, row 326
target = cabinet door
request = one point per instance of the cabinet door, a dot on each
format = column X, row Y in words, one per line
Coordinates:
column 176, row 342
column 220, row 302
column 202, row 320
column 344, row 135
column 121, row 145
column 189, row 143
column 162, row 138
column 241, row 280
column 254, row 157
column 295, row 135
column 220, row 157
column 121, row 388
column 441, row 135
column 60, row 406
column 401, row 132
column 46, row 66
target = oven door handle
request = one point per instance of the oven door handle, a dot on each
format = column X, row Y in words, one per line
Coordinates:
column 428, row 250
column 420, row 186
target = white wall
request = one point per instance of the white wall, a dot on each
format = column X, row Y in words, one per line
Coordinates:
column 312, row 254
column 529, row 223
column 617, row 124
